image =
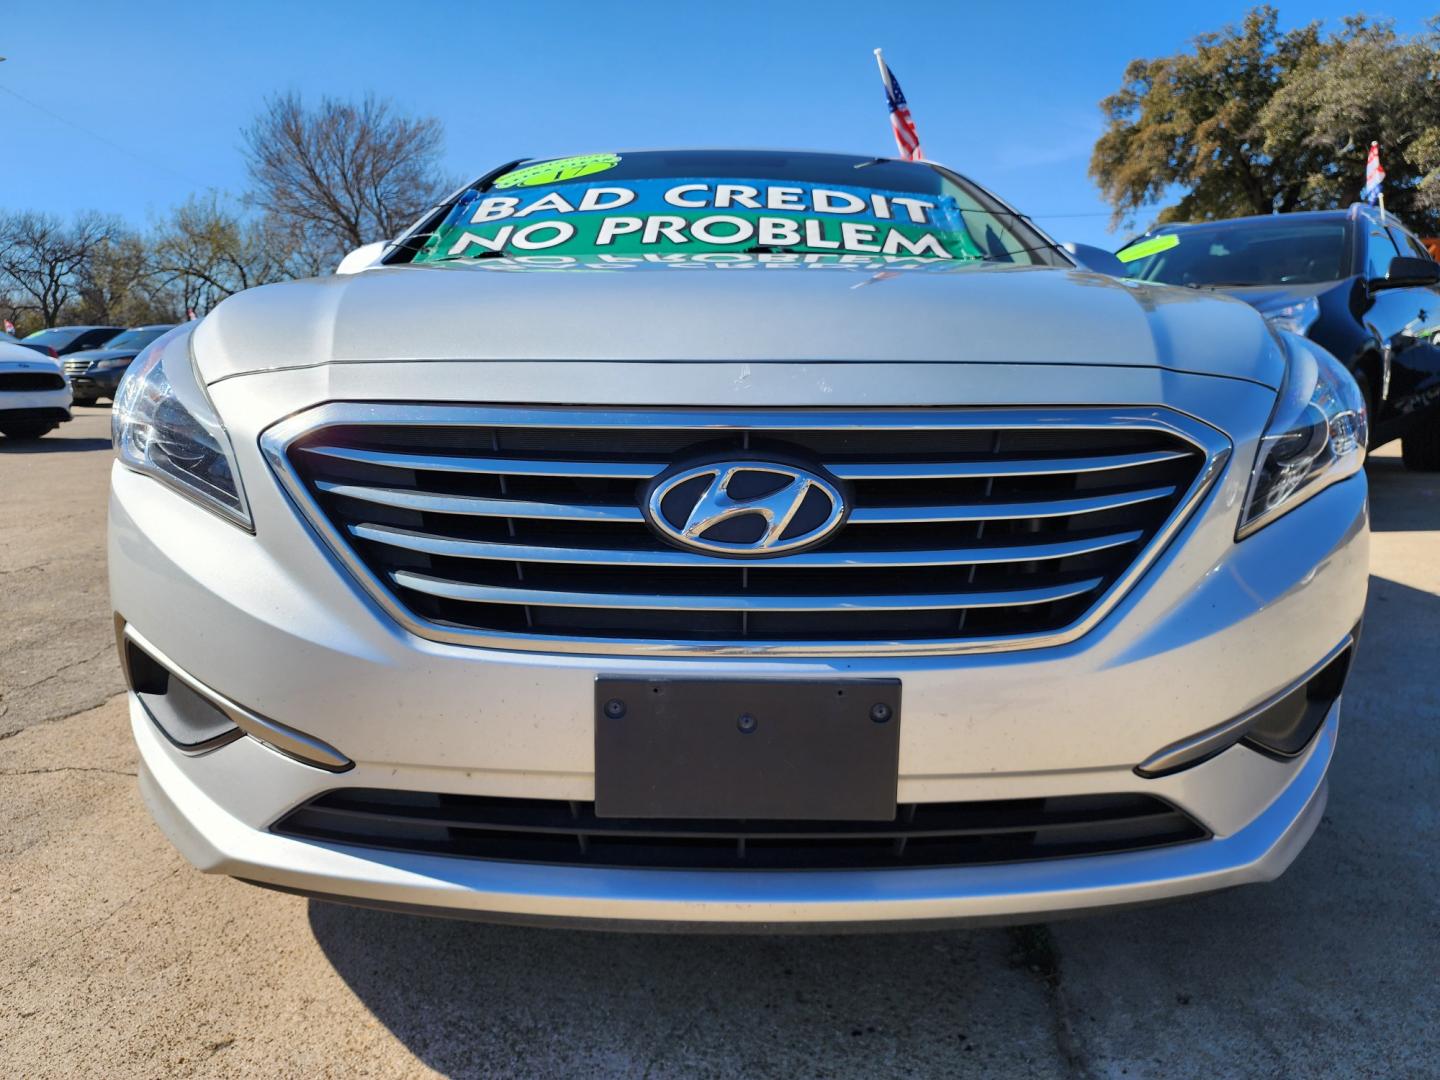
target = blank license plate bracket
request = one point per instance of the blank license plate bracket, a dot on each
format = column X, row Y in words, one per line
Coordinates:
column 807, row 750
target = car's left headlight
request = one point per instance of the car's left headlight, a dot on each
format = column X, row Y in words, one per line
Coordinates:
column 108, row 365
column 163, row 425
column 1316, row 435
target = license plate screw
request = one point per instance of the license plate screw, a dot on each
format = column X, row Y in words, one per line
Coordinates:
column 880, row 712
column 615, row 708
column 746, row 723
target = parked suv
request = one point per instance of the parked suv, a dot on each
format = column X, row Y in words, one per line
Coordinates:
column 717, row 538
column 95, row 373
column 1354, row 281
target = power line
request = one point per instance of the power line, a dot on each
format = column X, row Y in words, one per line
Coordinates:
column 126, row 150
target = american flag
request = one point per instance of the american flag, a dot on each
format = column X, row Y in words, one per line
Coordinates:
column 1374, row 176
column 907, row 139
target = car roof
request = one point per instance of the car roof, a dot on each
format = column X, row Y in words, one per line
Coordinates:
column 1255, row 219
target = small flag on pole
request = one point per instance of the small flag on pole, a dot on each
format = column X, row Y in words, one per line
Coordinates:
column 190, row 314
column 9, row 327
column 1374, row 177
column 907, row 139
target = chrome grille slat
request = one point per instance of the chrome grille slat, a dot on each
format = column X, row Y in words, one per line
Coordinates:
column 910, row 515
column 479, row 549
column 500, row 594
column 957, row 470
column 645, row 470
column 479, row 506
column 520, row 527
column 865, row 515
column 622, row 470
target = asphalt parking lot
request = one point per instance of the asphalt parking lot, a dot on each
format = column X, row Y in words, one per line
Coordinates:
column 117, row 959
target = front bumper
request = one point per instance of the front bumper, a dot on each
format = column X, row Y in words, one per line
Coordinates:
column 44, row 405
column 101, row 384
column 273, row 623
column 217, row 841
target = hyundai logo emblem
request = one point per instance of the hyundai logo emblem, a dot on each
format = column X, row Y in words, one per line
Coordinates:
column 745, row 509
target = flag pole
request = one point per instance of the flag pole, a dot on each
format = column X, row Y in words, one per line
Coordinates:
column 884, row 74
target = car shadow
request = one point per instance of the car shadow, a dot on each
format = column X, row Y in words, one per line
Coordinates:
column 478, row 999
column 53, row 443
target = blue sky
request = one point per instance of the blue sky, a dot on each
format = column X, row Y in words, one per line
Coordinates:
column 140, row 104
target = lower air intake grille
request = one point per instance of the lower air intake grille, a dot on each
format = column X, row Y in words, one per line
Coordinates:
column 523, row 527
column 31, row 380
column 569, row 833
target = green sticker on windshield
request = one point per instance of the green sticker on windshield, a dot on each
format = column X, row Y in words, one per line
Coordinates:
column 1146, row 248
column 552, row 172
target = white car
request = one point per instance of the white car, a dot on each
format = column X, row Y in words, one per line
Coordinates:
column 736, row 539
column 34, row 393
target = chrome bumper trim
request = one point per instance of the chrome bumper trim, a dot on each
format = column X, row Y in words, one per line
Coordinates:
column 1192, row 750
column 303, row 748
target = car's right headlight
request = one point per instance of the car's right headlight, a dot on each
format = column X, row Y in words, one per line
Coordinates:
column 163, row 425
column 1316, row 435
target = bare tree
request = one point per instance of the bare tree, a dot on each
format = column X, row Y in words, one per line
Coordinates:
column 342, row 174
column 117, row 284
column 41, row 259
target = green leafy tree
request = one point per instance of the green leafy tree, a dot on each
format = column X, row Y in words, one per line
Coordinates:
column 1253, row 120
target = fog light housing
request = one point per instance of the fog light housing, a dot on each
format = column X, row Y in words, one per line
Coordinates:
column 1280, row 728
column 1284, row 728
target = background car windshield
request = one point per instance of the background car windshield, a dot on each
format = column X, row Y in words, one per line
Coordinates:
column 56, row 337
column 1249, row 253
column 673, row 205
column 135, row 339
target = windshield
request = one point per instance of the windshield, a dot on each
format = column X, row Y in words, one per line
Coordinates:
column 136, row 339
column 56, row 337
column 667, row 205
column 1242, row 253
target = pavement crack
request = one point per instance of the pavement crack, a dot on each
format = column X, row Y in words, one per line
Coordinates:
column 84, row 708
column 107, row 647
column 1033, row 947
column 65, row 768
column 121, row 906
column 22, row 569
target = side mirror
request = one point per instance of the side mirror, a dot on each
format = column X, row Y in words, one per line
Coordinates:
column 1094, row 258
column 1407, row 271
column 362, row 258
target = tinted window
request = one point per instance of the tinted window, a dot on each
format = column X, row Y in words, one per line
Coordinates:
column 93, row 339
column 135, row 339
column 59, row 337
column 1278, row 252
column 1408, row 244
column 1379, row 251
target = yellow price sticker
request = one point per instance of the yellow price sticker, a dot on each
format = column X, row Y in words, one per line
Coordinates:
column 553, row 172
column 1146, row 248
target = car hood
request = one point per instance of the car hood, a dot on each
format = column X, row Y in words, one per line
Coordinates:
column 104, row 354
column 750, row 311
column 22, row 358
